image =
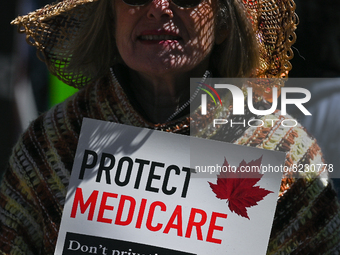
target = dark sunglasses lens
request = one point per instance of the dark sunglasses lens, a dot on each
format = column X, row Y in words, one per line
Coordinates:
column 136, row 2
column 186, row 3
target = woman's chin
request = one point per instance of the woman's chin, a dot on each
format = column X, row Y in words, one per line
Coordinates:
column 162, row 66
column 164, row 69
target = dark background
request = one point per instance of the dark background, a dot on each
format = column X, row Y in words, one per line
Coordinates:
column 19, row 69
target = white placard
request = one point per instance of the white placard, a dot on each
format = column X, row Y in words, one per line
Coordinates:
column 133, row 191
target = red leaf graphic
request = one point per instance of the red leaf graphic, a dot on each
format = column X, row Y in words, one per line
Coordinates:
column 238, row 187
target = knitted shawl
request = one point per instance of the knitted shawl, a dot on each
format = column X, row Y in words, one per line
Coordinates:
column 34, row 186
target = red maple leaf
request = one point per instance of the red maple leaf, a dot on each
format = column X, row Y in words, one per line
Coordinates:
column 238, row 187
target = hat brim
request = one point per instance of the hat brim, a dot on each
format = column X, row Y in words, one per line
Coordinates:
column 52, row 29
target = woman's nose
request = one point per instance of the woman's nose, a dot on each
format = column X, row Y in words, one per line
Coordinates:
column 159, row 9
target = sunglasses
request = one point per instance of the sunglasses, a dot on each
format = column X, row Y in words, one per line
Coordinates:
column 179, row 3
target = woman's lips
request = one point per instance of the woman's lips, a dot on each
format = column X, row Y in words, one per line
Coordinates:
column 158, row 37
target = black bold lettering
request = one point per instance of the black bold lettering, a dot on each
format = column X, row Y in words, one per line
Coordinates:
column 128, row 171
column 107, row 169
column 186, row 181
column 152, row 176
column 85, row 165
column 140, row 171
column 165, row 189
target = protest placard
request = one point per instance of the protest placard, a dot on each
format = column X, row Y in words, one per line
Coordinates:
column 137, row 191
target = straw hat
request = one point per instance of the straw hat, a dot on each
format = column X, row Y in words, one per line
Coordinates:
column 52, row 28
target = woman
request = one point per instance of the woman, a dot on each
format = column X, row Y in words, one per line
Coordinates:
column 134, row 59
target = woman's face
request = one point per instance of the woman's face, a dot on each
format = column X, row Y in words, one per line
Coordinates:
column 161, row 38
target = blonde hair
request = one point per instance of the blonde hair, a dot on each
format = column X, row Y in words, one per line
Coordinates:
column 95, row 51
column 238, row 55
